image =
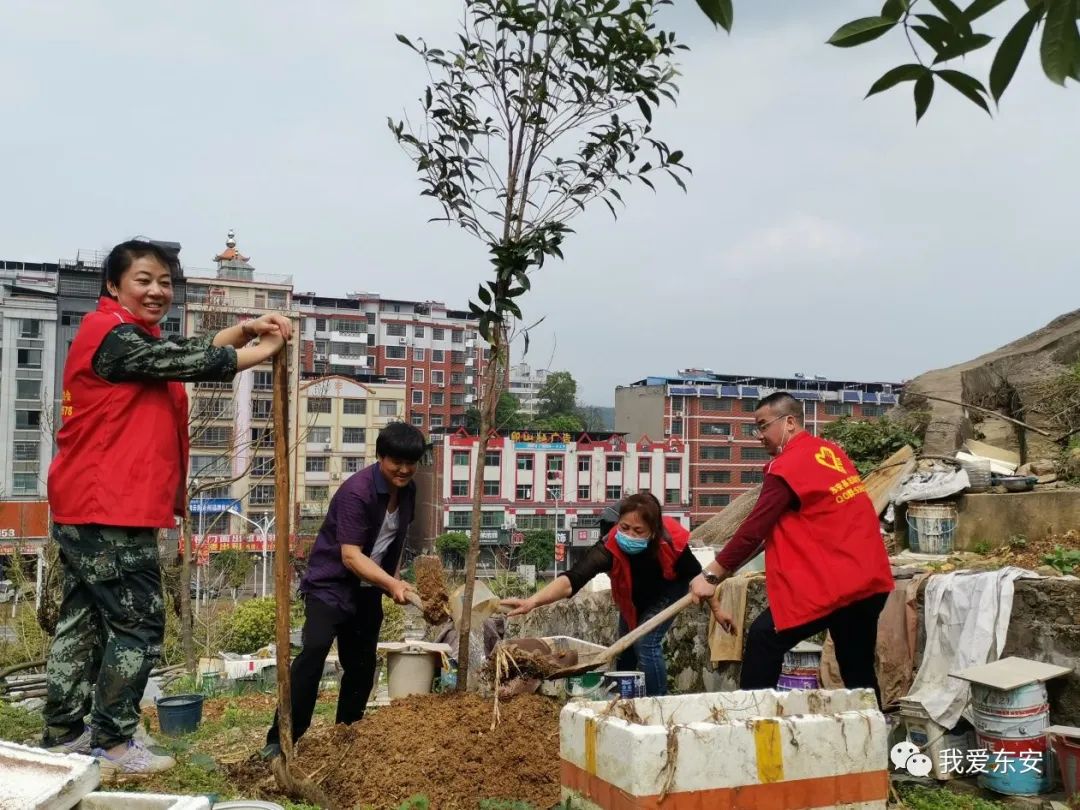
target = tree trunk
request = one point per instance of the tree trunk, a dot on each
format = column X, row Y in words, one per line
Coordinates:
column 187, row 632
column 282, row 589
column 487, row 419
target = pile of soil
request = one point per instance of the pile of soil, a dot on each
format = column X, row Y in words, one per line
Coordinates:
column 438, row 746
column 431, row 585
column 1031, row 553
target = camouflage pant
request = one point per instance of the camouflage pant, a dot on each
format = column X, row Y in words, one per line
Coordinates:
column 109, row 636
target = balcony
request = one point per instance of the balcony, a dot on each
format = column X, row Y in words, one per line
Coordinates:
column 349, row 360
column 322, row 477
column 349, row 337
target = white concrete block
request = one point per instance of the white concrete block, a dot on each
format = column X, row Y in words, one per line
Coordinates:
column 38, row 779
column 100, row 800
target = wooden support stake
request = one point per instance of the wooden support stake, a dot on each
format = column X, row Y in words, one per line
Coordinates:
column 282, row 531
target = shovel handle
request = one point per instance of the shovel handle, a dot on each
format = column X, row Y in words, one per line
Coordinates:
column 414, row 599
column 627, row 641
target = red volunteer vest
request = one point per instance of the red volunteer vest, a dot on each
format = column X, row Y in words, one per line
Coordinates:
column 828, row 553
column 122, row 450
column 622, row 585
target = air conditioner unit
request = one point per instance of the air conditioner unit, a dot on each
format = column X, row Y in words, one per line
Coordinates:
column 402, row 341
column 335, row 476
column 469, row 398
column 328, row 447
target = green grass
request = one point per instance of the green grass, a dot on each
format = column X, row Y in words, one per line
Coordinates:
column 918, row 797
column 18, row 725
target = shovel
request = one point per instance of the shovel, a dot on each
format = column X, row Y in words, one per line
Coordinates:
column 587, row 663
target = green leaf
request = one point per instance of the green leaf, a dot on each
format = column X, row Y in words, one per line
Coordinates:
column 1010, row 52
column 924, row 91
column 979, row 8
column 951, row 12
column 484, row 295
column 720, row 12
column 646, row 110
column 962, row 46
column 894, row 9
column 903, row 73
column 860, row 31
column 675, row 156
column 966, row 85
column 1059, row 40
column 404, row 40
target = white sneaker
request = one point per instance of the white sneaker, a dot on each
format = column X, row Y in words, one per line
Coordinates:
column 79, row 745
column 136, row 758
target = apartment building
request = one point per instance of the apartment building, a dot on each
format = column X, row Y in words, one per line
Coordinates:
column 525, row 385
column 713, row 416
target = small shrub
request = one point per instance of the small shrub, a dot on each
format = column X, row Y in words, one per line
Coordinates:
column 1064, row 560
column 250, row 626
column 869, row 442
column 393, row 625
column 982, row 547
column 510, row 586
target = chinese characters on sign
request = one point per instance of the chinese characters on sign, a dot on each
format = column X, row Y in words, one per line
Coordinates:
column 907, row 756
column 542, row 440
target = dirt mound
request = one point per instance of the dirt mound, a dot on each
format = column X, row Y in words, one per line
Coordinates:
column 438, row 746
column 431, row 585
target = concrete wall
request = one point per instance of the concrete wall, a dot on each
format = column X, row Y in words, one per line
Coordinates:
column 993, row 519
column 640, row 410
column 1045, row 626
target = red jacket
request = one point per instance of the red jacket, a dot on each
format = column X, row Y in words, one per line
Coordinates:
column 828, row 553
column 122, row 450
column 622, row 585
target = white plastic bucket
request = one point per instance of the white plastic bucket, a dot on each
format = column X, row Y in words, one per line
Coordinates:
column 410, row 672
column 931, row 527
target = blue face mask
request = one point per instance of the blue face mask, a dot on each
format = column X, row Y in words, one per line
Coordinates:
column 630, row 545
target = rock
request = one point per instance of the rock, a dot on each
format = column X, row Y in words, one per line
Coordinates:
column 1048, row 571
column 31, row 704
column 1072, row 463
column 1043, row 466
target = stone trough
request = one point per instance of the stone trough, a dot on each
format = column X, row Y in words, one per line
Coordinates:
column 764, row 749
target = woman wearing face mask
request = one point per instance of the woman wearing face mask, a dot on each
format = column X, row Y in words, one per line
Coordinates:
column 117, row 478
column 649, row 561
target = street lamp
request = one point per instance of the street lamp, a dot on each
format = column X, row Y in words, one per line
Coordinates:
column 555, row 498
column 262, row 530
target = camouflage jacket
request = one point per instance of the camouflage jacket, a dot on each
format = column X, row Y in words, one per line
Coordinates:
column 128, row 354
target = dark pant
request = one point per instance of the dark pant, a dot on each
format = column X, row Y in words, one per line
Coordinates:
column 647, row 654
column 854, row 634
column 357, row 637
column 109, row 634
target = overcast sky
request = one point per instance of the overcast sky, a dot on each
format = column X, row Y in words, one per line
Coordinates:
column 821, row 233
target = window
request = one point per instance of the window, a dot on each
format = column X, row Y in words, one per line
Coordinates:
column 418, row 354
column 715, row 428
column 28, row 389
column 262, row 466
column 418, row 331
column 354, row 407
column 493, row 519
column 676, row 427
column 438, row 334
column 673, row 466
column 714, row 500
column 351, row 464
column 671, row 497
column 212, row 408
column 457, row 336
column 583, row 493
column 316, row 464
column 318, row 435
column 318, row 405
column 395, row 374
column 24, row 483
column 715, row 453
column 262, row 495
column 29, row 358
column 752, row 476
column 873, row 411
column 70, row 318
column 747, row 430
column 438, row 398
column 457, row 420
column 213, row 437
column 459, row 458
column 491, row 489
column 533, row 522
column 457, row 399
column 613, row 493
column 459, row 489
column 644, row 465
column 554, row 492
column 584, row 464
column 217, row 492
column 171, row 326
column 262, row 437
column 525, row 461
column 395, row 329
column 438, row 355
column 418, row 375
column 417, row 396
column 26, row 451
column 715, row 477
column 417, row 420
column 755, row 454
column 320, row 324
column 492, row 459
column 715, row 405
column 262, row 408
column 438, row 378
column 30, row 329
column 27, row 420
column 264, row 380
column 459, row 520
column 370, row 318
column 316, row 494
column 395, row 352
column 749, row 405
column 614, row 464
column 457, row 357
column 436, row 420
column 352, row 435
column 523, row 492
column 457, row 378
column 678, row 404
column 838, row 409
column 555, row 463
column 387, row 407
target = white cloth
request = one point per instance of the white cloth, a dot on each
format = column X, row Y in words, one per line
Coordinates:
column 967, row 617
column 387, row 533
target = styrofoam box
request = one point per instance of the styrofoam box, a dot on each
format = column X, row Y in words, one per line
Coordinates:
column 36, row 778
column 100, row 800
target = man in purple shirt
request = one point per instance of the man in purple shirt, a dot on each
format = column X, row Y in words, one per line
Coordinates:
column 354, row 561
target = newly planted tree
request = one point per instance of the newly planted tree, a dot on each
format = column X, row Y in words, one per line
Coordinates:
column 541, row 108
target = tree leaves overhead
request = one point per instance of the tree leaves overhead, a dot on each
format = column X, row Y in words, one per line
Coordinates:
column 861, row 31
column 924, row 92
column 720, row 12
column 1011, row 51
column 1060, row 46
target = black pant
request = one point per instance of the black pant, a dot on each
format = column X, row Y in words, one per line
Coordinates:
column 357, row 637
column 854, row 634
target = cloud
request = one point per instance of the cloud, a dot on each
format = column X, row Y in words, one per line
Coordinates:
column 796, row 242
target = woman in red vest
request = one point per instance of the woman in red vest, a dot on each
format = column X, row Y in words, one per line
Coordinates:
column 117, row 478
column 649, row 561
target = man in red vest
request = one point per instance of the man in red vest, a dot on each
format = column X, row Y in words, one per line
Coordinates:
column 826, row 566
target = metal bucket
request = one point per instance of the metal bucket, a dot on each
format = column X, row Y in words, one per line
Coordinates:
column 1018, row 766
column 802, row 680
column 796, row 660
column 1010, row 713
column 626, row 684
column 931, row 527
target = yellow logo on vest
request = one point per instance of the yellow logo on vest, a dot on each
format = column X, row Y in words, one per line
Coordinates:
column 827, row 458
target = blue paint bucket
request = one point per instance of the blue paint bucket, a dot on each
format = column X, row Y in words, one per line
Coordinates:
column 1016, row 766
column 179, row 714
column 1018, row 713
column 627, row 684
